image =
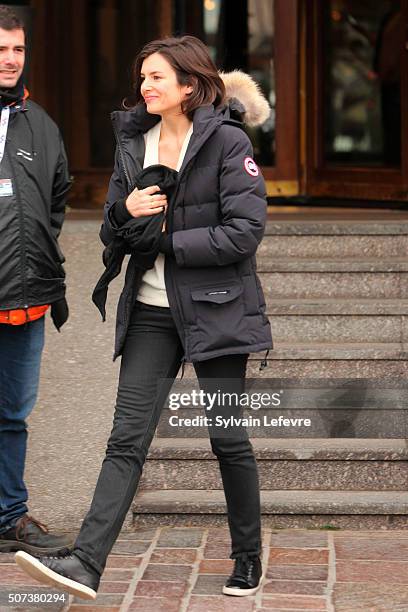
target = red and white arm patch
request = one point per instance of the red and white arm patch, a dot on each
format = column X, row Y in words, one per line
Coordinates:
column 251, row 167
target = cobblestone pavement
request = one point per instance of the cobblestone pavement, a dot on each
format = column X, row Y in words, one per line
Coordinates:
column 183, row 569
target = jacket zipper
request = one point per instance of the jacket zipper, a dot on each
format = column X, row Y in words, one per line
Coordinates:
column 167, row 267
column 170, row 224
column 23, row 257
column 126, row 173
column 177, row 314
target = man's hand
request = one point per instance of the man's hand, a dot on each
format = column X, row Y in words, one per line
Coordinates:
column 143, row 202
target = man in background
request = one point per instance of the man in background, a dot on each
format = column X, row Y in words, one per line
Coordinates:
column 34, row 181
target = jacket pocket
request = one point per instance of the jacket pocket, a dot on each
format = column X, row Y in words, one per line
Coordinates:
column 42, row 288
column 213, row 295
column 219, row 317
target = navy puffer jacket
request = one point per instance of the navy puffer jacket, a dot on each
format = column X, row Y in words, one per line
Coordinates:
column 217, row 219
column 31, row 215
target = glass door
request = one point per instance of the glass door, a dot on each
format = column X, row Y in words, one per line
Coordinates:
column 259, row 37
column 248, row 45
column 357, row 142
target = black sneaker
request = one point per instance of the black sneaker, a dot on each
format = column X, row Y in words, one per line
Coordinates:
column 67, row 573
column 246, row 577
column 34, row 537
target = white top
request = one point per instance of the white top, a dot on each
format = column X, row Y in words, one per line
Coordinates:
column 153, row 289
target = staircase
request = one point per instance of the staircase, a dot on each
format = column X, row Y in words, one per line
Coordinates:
column 337, row 297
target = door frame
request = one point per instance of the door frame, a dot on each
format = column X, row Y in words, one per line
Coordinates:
column 283, row 179
column 323, row 178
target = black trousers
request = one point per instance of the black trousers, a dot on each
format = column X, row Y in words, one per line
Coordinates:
column 153, row 351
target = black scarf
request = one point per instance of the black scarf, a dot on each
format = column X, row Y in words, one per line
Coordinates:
column 139, row 235
column 12, row 94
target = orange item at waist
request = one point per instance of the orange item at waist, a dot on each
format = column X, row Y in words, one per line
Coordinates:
column 23, row 315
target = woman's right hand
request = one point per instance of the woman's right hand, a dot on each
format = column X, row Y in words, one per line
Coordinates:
column 144, row 202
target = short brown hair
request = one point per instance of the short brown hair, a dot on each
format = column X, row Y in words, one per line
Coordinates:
column 9, row 20
column 193, row 65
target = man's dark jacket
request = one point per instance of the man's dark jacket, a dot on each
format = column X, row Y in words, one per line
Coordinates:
column 31, row 271
column 216, row 219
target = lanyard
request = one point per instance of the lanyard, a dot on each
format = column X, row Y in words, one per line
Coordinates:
column 4, row 121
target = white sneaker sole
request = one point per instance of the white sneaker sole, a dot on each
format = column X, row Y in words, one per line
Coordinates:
column 34, row 568
column 242, row 592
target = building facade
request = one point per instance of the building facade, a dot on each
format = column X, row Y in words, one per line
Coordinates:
column 334, row 71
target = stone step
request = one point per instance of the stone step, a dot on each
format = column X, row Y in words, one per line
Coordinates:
column 276, row 502
column 344, row 227
column 298, row 464
column 336, row 350
column 272, row 263
column 344, row 509
column 349, row 328
column 346, row 366
column 358, row 246
column 327, row 362
column 289, row 357
column 311, row 285
column 335, row 306
column 295, row 449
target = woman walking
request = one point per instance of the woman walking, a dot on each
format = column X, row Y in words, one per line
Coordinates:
column 192, row 226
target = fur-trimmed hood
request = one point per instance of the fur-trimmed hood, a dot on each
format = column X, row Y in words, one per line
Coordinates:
column 241, row 87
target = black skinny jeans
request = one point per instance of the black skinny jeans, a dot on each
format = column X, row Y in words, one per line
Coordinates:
column 153, row 351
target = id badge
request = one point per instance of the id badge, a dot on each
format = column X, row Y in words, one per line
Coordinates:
column 6, row 188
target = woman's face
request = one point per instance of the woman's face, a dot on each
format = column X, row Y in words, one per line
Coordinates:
column 160, row 89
